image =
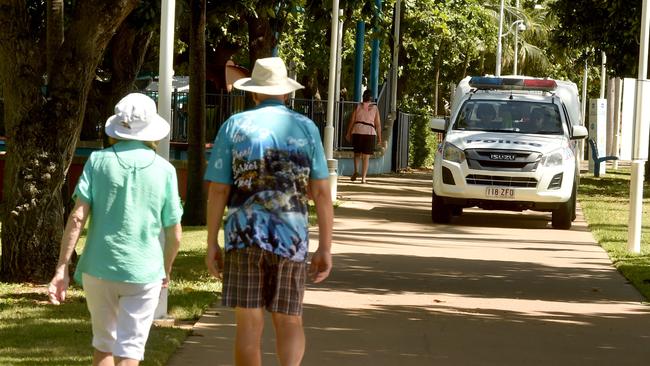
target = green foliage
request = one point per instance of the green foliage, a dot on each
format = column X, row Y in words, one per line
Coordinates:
column 422, row 141
column 421, row 148
column 592, row 26
column 451, row 38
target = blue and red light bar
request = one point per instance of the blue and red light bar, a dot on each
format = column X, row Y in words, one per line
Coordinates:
column 491, row 82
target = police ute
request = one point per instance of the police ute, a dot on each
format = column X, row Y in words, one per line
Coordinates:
column 509, row 144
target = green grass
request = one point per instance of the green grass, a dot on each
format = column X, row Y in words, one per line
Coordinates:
column 36, row 333
column 605, row 202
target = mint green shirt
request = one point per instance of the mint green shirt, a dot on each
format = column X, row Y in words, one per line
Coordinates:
column 133, row 194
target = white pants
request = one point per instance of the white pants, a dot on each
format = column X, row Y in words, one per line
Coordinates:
column 121, row 314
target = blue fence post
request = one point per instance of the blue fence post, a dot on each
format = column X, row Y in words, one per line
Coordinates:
column 374, row 56
column 358, row 60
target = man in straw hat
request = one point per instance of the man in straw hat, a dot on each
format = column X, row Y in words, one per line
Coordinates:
column 265, row 165
column 131, row 194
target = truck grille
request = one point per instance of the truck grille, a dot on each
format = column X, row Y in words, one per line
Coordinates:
column 502, row 160
column 495, row 180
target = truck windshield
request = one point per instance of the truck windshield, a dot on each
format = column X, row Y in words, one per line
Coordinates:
column 509, row 116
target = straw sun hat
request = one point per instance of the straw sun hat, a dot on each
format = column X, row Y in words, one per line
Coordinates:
column 136, row 118
column 269, row 77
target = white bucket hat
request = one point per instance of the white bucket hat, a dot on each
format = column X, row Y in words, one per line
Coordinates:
column 135, row 118
column 269, row 77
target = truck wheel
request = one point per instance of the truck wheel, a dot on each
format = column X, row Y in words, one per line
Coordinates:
column 440, row 213
column 574, row 198
column 456, row 210
column 563, row 216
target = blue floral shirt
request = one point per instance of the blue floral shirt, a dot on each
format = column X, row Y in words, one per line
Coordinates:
column 268, row 155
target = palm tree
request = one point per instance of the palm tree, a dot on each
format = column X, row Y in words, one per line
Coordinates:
column 533, row 42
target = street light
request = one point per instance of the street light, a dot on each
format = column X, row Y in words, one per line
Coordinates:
column 516, row 26
column 497, row 72
column 520, row 28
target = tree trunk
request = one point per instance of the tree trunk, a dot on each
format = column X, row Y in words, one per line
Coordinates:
column 42, row 132
column 54, row 31
column 195, row 198
column 260, row 38
column 127, row 52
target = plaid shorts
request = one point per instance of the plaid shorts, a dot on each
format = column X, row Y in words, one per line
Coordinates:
column 256, row 278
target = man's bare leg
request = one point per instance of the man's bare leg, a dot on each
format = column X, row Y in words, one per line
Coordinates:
column 248, row 339
column 290, row 337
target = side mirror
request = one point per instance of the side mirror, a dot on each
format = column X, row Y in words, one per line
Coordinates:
column 438, row 124
column 579, row 132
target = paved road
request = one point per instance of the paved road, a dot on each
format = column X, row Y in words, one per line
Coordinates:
column 490, row 289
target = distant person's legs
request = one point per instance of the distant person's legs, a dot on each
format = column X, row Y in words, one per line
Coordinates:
column 357, row 142
column 355, row 174
column 250, row 325
column 290, row 338
column 364, row 167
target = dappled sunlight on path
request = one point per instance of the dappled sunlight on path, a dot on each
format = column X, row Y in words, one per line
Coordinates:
column 491, row 288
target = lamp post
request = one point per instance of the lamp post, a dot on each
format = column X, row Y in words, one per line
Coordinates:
column 640, row 141
column 165, row 74
column 497, row 72
column 517, row 26
column 332, row 164
column 514, row 64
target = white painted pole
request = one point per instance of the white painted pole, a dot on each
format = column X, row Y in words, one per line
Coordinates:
column 332, row 164
column 581, row 144
column 514, row 65
column 636, row 182
column 616, row 142
column 497, row 71
column 603, row 74
column 339, row 51
column 166, row 68
column 395, row 63
column 337, row 96
column 165, row 74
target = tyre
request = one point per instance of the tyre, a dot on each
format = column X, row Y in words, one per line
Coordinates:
column 440, row 213
column 456, row 210
column 563, row 216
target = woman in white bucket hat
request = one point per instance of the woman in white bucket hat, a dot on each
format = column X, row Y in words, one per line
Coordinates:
column 263, row 164
column 131, row 193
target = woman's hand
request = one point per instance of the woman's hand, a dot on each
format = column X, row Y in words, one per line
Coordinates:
column 165, row 281
column 58, row 286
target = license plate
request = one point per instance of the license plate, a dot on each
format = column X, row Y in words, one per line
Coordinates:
column 500, row 192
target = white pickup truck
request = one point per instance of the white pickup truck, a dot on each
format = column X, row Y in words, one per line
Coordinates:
column 510, row 144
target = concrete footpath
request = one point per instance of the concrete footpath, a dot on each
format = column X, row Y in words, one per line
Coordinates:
column 491, row 288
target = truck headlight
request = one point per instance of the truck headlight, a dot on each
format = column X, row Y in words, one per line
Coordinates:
column 451, row 153
column 554, row 158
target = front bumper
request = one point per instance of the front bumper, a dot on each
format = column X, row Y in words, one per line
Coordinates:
column 543, row 189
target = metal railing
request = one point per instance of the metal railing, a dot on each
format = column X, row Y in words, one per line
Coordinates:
column 220, row 106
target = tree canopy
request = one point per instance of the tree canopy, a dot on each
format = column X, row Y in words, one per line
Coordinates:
column 591, row 26
column 63, row 61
